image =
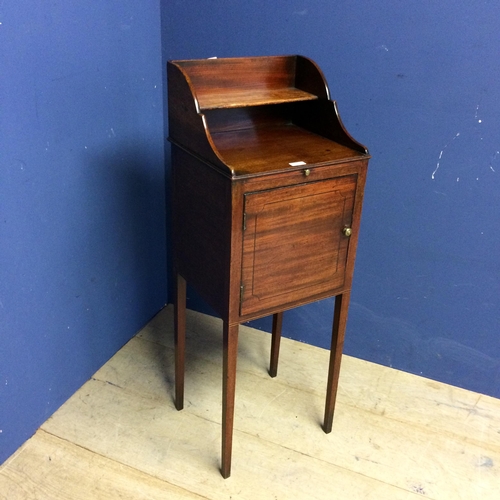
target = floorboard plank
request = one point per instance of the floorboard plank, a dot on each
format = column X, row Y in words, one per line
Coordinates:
column 395, row 435
column 416, row 458
column 183, row 448
column 50, row 468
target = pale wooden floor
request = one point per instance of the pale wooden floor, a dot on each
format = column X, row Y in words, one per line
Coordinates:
column 395, row 435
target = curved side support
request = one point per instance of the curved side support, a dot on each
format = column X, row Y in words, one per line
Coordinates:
column 322, row 117
column 352, row 142
column 186, row 124
column 310, row 78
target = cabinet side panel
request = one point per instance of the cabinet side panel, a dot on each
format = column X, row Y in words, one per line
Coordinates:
column 201, row 227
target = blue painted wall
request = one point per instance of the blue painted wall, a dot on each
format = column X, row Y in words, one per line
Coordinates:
column 82, row 239
column 417, row 82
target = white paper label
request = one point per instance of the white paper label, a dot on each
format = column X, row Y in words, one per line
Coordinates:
column 297, row 163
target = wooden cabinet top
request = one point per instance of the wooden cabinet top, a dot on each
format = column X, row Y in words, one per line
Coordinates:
column 256, row 115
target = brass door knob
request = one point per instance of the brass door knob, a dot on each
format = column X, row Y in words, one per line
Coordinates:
column 307, row 172
column 347, row 231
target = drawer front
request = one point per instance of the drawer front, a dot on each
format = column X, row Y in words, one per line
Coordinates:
column 294, row 246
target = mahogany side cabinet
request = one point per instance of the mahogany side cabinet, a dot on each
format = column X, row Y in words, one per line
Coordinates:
column 267, row 188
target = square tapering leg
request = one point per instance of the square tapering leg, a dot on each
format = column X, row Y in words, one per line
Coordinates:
column 338, row 333
column 275, row 343
column 180, row 340
column 228, row 392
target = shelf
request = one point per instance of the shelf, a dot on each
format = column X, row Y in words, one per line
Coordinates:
column 267, row 149
column 238, row 98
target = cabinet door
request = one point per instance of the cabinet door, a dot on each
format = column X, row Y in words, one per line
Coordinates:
column 294, row 246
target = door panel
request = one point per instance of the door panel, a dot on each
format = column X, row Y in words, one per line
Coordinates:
column 293, row 243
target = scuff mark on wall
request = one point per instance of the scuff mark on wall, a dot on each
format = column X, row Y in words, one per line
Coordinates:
column 473, row 131
column 493, row 158
column 476, row 115
column 441, row 155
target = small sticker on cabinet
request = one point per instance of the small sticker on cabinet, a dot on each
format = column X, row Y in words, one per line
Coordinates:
column 297, row 163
